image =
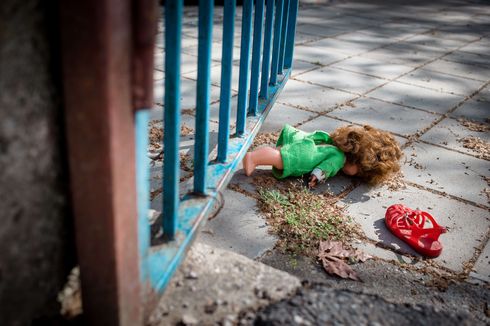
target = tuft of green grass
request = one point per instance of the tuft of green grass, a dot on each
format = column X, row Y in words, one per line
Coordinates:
column 302, row 219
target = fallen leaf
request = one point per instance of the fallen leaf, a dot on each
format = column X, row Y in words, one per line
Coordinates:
column 337, row 266
column 333, row 256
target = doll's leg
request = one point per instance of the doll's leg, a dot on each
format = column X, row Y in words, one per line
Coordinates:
column 262, row 156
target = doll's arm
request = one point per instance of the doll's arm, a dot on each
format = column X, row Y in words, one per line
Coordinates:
column 319, row 174
column 328, row 168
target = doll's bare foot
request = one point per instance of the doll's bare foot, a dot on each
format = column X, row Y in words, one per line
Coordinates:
column 248, row 164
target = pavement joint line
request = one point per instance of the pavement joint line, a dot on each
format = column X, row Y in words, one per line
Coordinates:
column 447, row 195
column 403, row 105
column 417, row 135
column 478, row 251
column 452, row 149
column 325, row 114
column 308, row 70
column 458, row 76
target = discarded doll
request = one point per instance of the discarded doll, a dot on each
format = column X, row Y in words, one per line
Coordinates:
column 366, row 152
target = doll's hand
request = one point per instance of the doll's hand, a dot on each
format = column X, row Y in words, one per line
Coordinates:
column 313, row 181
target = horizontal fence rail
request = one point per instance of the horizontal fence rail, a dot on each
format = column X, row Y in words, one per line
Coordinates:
column 265, row 62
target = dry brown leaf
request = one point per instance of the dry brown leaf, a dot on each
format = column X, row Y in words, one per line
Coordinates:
column 336, row 266
column 333, row 254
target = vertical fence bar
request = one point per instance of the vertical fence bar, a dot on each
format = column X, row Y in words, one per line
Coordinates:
column 206, row 8
column 173, row 29
column 142, row 187
column 277, row 41
column 226, row 77
column 266, row 60
column 243, row 82
column 288, row 56
column 284, row 29
column 256, row 54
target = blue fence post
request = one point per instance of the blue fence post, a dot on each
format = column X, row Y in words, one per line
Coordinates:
column 284, row 28
column 288, row 61
column 243, row 82
column 201, row 148
column 266, row 60
column 173, row 34
column 226, row 78
column 256, row 55
column 277, row 42
column 142, row 187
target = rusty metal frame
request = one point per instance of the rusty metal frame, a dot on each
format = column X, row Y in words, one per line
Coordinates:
column 106, row 49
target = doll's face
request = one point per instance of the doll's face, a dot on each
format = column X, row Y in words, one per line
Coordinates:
column 350, row 168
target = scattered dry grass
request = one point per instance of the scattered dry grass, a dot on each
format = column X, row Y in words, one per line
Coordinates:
column 155, row 134
column 302, row 219
column 475, row 126
column 478, row 145
column 185, row 130
column 267, row 138
column 396, row 182
column 486, row 191
column 70, row 297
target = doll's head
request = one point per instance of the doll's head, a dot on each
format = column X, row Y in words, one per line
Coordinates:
column 370, row 153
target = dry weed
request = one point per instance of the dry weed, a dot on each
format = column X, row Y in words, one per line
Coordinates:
column 302, row 219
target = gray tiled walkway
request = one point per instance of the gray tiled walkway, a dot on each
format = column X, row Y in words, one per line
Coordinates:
column 410, row 69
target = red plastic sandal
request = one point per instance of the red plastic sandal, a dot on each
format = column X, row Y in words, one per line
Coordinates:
column 408, row 225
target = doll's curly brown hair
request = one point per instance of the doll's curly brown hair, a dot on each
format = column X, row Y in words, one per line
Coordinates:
column 375, row 152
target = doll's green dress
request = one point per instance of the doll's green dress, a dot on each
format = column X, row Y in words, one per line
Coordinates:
column 303, row 152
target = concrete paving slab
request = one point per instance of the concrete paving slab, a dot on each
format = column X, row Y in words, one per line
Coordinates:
column 456, row 33
column 445, row 171
column 186, row 41
column 282, row 114
column 317, row 56
column 188, row 62
column 406, row 54
column 323, row 30
column 480, row 47
column 302, row 38
column 213, row 286
column 214, row 111
column 247, row 184
column 467, row 224
column 449, row 132
column 322, row 123
column 473, row 110
column 187, row 93
column 481, row 269
column 312, row 97
column 216, row 51
column 391, row 32
column 435, row 42
column 300, row 67
column 239, row 227
column 468, row 58
column 391, row 117
column 459, row 69
column 441, row 82
column 372, row 67
column 367, row 38
column 483, row 95
column 342, row 80
column 217, row 33
column 346, row 47
column 216, row 76
column 384, row 254
column 416, row 97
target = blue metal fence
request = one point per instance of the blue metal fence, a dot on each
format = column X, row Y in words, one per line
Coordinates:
column 270, row 59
